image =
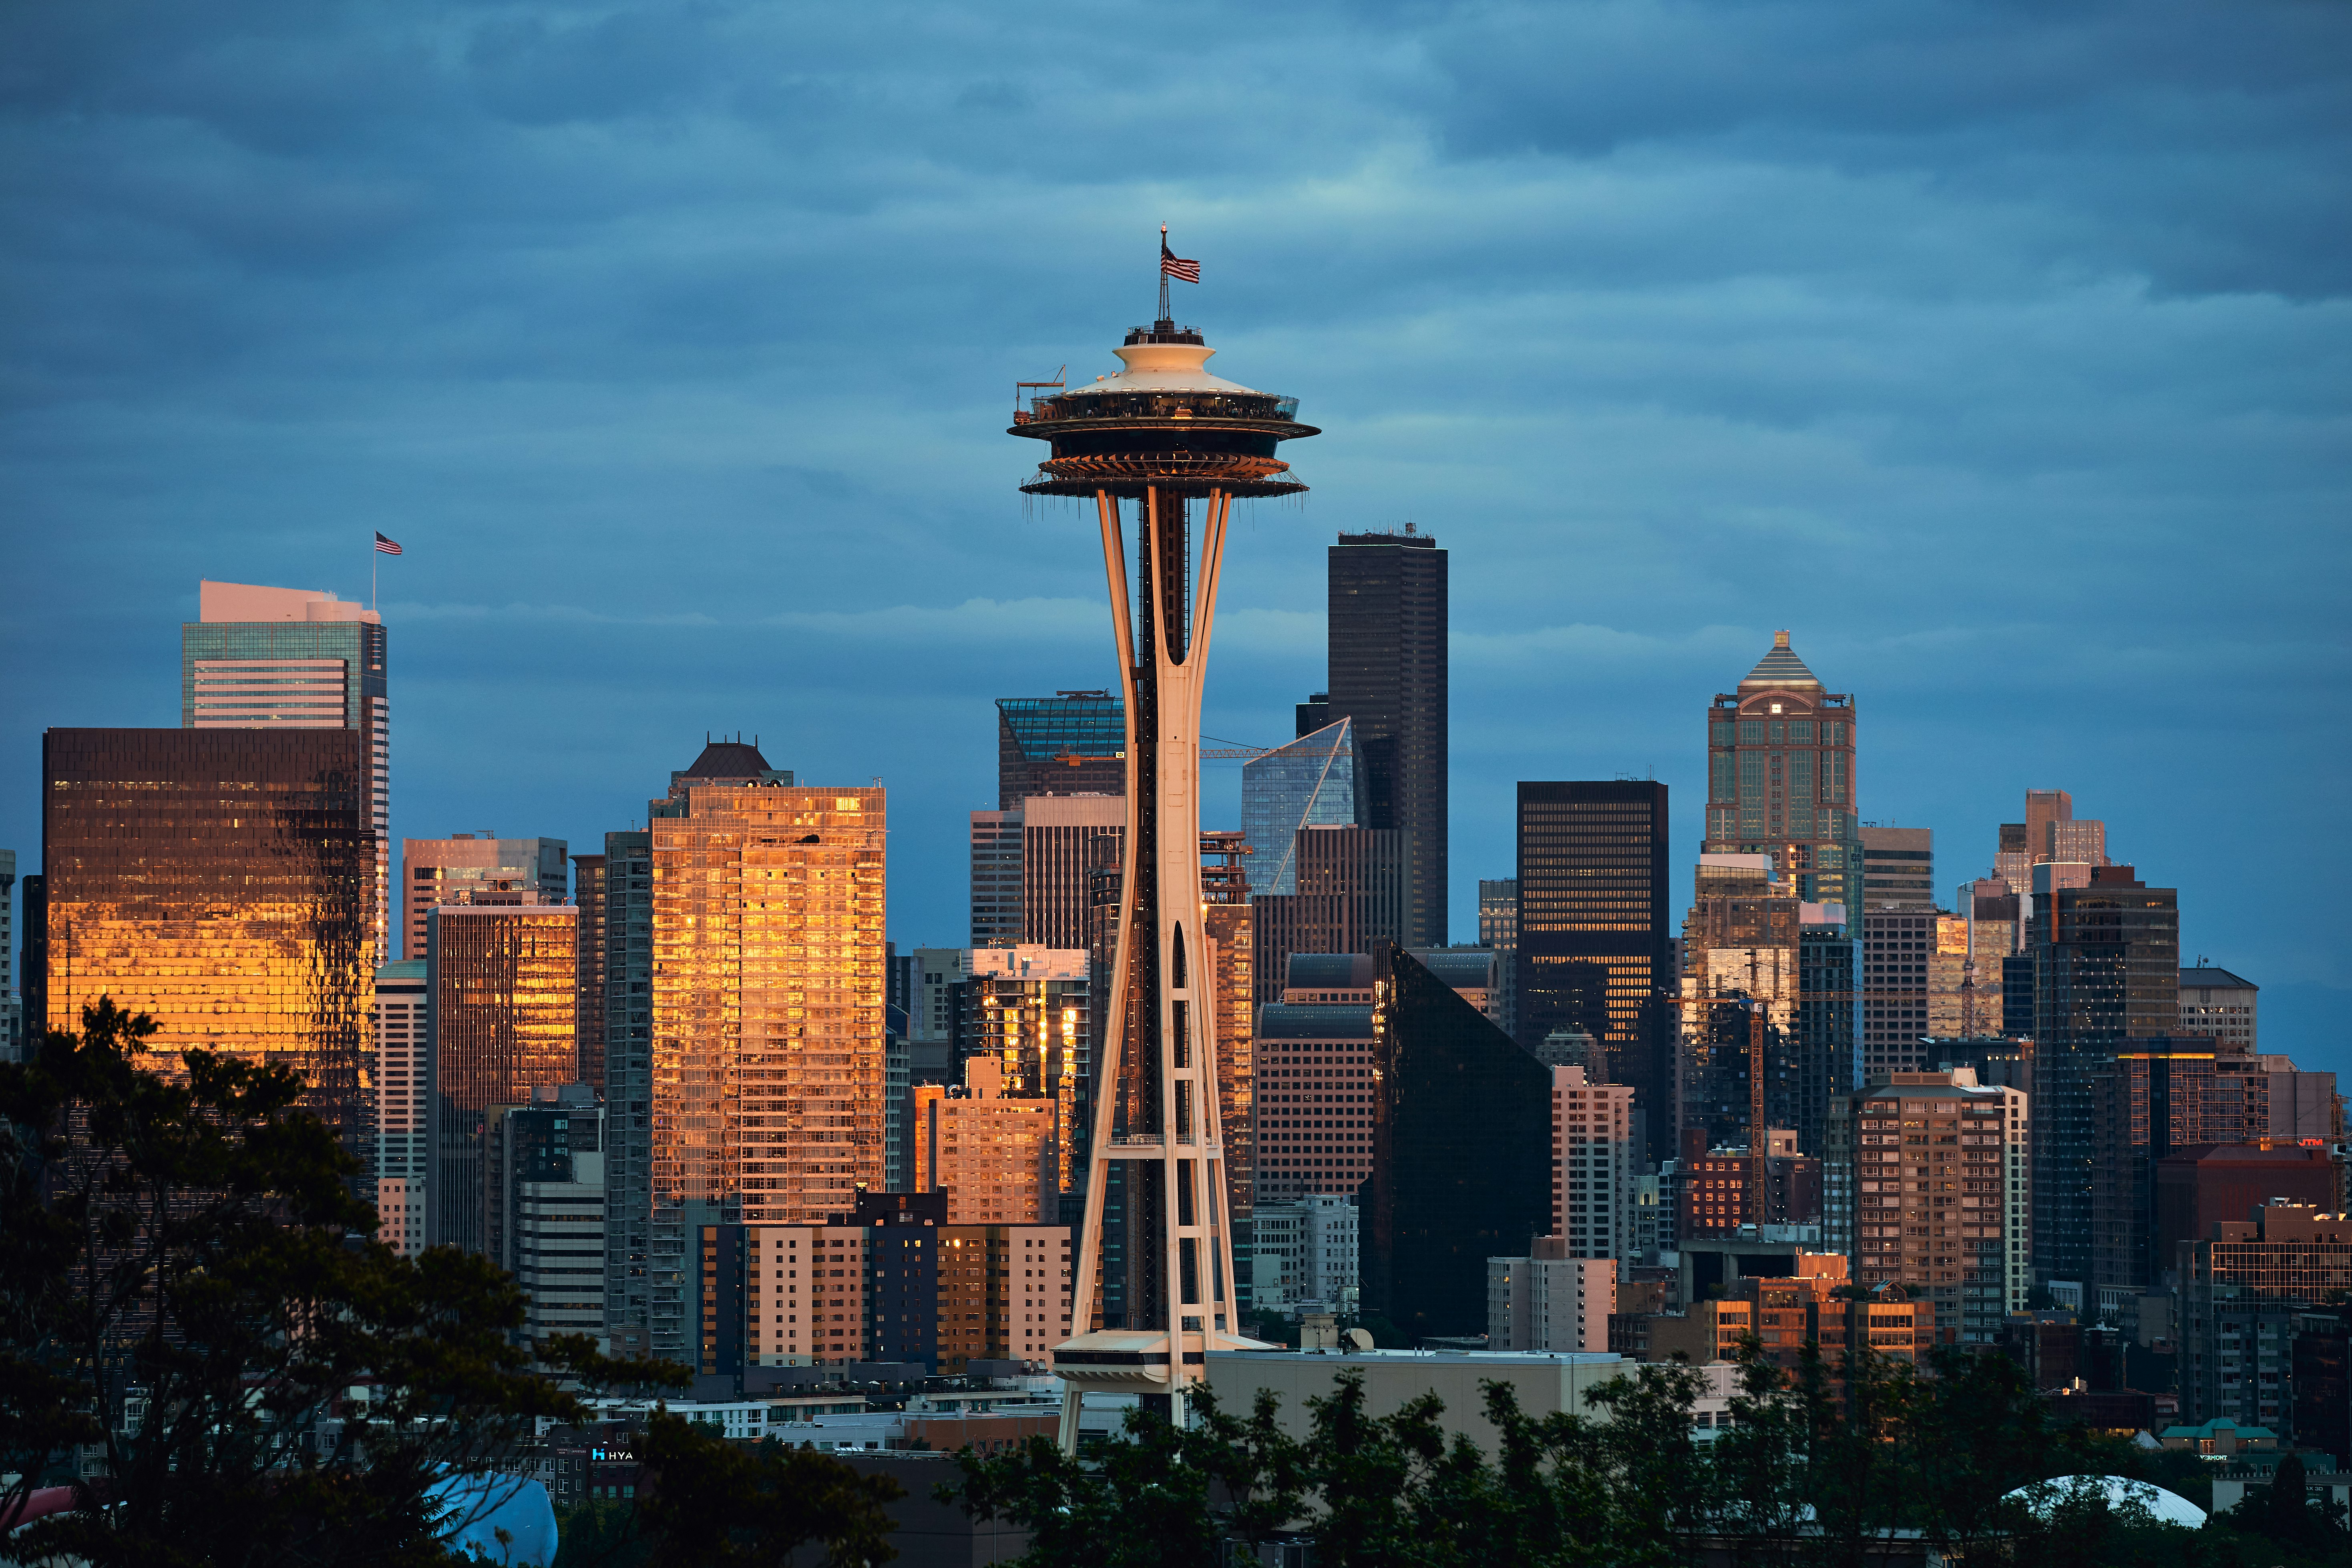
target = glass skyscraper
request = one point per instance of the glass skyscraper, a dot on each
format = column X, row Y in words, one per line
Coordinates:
column 1781, row 778
column 1388, row 672
column 1311, row 782
column 1073, row 742
column 294, row 658
column 220, row 880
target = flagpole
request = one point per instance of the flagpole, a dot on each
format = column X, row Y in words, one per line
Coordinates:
column 1165, row 314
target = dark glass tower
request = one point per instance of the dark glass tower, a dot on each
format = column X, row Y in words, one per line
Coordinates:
column 224, row 881
column 1461, row 1152
column 1073, row 742
column 2107, row 971
column 627, row 980
column 1596, row 950
column 1388, row 610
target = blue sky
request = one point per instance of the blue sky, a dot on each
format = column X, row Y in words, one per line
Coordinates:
column 2002, row 353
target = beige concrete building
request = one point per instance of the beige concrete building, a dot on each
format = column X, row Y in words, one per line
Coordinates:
column 996, row 1158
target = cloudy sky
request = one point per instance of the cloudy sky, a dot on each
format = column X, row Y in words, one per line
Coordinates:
column 2001, row 352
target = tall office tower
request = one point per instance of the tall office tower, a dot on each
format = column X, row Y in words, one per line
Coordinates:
column 1899, row 869
column 1229, row 935
column 1388, row 670
column 1311, row 782
column 1499, row 927
column 1554, row 1299
column 588, row 893
column 1314, row 713
column 219, row 880
column 1352, row 891
column 502, row 982
column 2217, row 1003
column 2107, row 972
column 1993, row 931
column 1304, row 1255
column 10, row 1029
column 1949, row 971
column 1028, row 1010
column 628, row 1087
column 1314, row 1093
column 547, row 1207
column 768, row 1040
column 1461, row 1152
column 1073, row 742
column 1969, row 1254
column 1595, row 1158
column 2012, row 860
column 994, row 1156
column 995, row 878
column 1596, row 940
column 296, row 658
column 467, row 869
column 1898, row 947
column 2051, row 831
column 1737, row 1072
column 2242, row 1283
column 1056, row 856
column 1829, row 1048
column 1781, row 780
column 2162, row 1096
column 403, row 1071
column 33, row 966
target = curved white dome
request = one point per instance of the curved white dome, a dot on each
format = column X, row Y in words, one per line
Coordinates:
column 2168, row 1507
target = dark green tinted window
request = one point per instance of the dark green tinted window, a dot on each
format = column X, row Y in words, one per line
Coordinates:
column 1751, row 731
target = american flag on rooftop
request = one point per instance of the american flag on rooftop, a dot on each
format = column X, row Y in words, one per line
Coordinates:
column 384, row 546
column 1174, row 266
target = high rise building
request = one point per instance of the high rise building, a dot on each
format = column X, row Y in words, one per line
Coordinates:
column 1352, row 888
column 2160, row 1096
column 627, row 980
column 995, row 878
column 1461, row 1152
column 1829, row 1039
column 2240, row 1286
column 33, row 965
column 1028, row 1011
column 1073, row 742
column 1724, row 1189
column 546, row 1191
column 2202, row 1185
column 2217, row 1003
column 2051, row 831
column 1062, row 841
column 768, row 1041
column 1946, row 1218
column 1556, row 1300
column 219, row 880
column 1499, row 927
column 1781, row 779
column 2106, row 962
column 1311, row 782
column 994, row 1156
column 470, row 868
column 502, row 985
column 403, row 1072
column 588, row 893
column 1899, row 949
column 1899, row 869
column 1595, row 1159
column 1595, row 938
column 1229, row 939
column 296, row 658
column 1314, row 1090
column 1388, row 673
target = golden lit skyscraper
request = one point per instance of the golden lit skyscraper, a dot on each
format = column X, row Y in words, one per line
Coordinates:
column 767, row 986
column 1781, row 779
column 223, row 881
column 502, row 980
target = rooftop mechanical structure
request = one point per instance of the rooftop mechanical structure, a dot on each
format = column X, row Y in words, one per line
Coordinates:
column 1156, row 444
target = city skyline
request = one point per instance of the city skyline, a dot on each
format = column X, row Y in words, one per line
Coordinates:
column 1792, row 354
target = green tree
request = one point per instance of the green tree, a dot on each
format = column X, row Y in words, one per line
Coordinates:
column 189, row 1288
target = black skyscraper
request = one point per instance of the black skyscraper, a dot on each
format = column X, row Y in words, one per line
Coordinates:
column 1596, row 950
column 2107, row 970
column 1388, row 673
column 1461, row 1153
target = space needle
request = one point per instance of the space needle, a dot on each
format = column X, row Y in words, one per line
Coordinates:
column 1157, row 443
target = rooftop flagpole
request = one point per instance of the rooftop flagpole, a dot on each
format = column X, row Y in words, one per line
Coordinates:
column 1164, row 313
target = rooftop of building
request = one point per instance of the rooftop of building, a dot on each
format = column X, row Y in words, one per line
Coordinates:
column 2216, row 980
column 1068, row 723
column 1465, row 969
column 1348, row 1021
column 1780, row 669
column 729, row 760
column 1329, row 972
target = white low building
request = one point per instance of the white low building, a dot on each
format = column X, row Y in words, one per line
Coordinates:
column 1549, row 1302
column 1303, row 1255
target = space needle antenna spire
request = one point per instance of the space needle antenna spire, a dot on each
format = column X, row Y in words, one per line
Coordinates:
column 1157, row 443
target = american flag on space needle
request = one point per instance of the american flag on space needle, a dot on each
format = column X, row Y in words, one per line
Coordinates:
column 1174, row 266
column 384, row 546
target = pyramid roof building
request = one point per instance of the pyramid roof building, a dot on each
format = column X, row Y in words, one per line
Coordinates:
column 1780, row 671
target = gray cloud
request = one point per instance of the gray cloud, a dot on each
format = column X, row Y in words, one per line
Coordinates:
column 1998, row 350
